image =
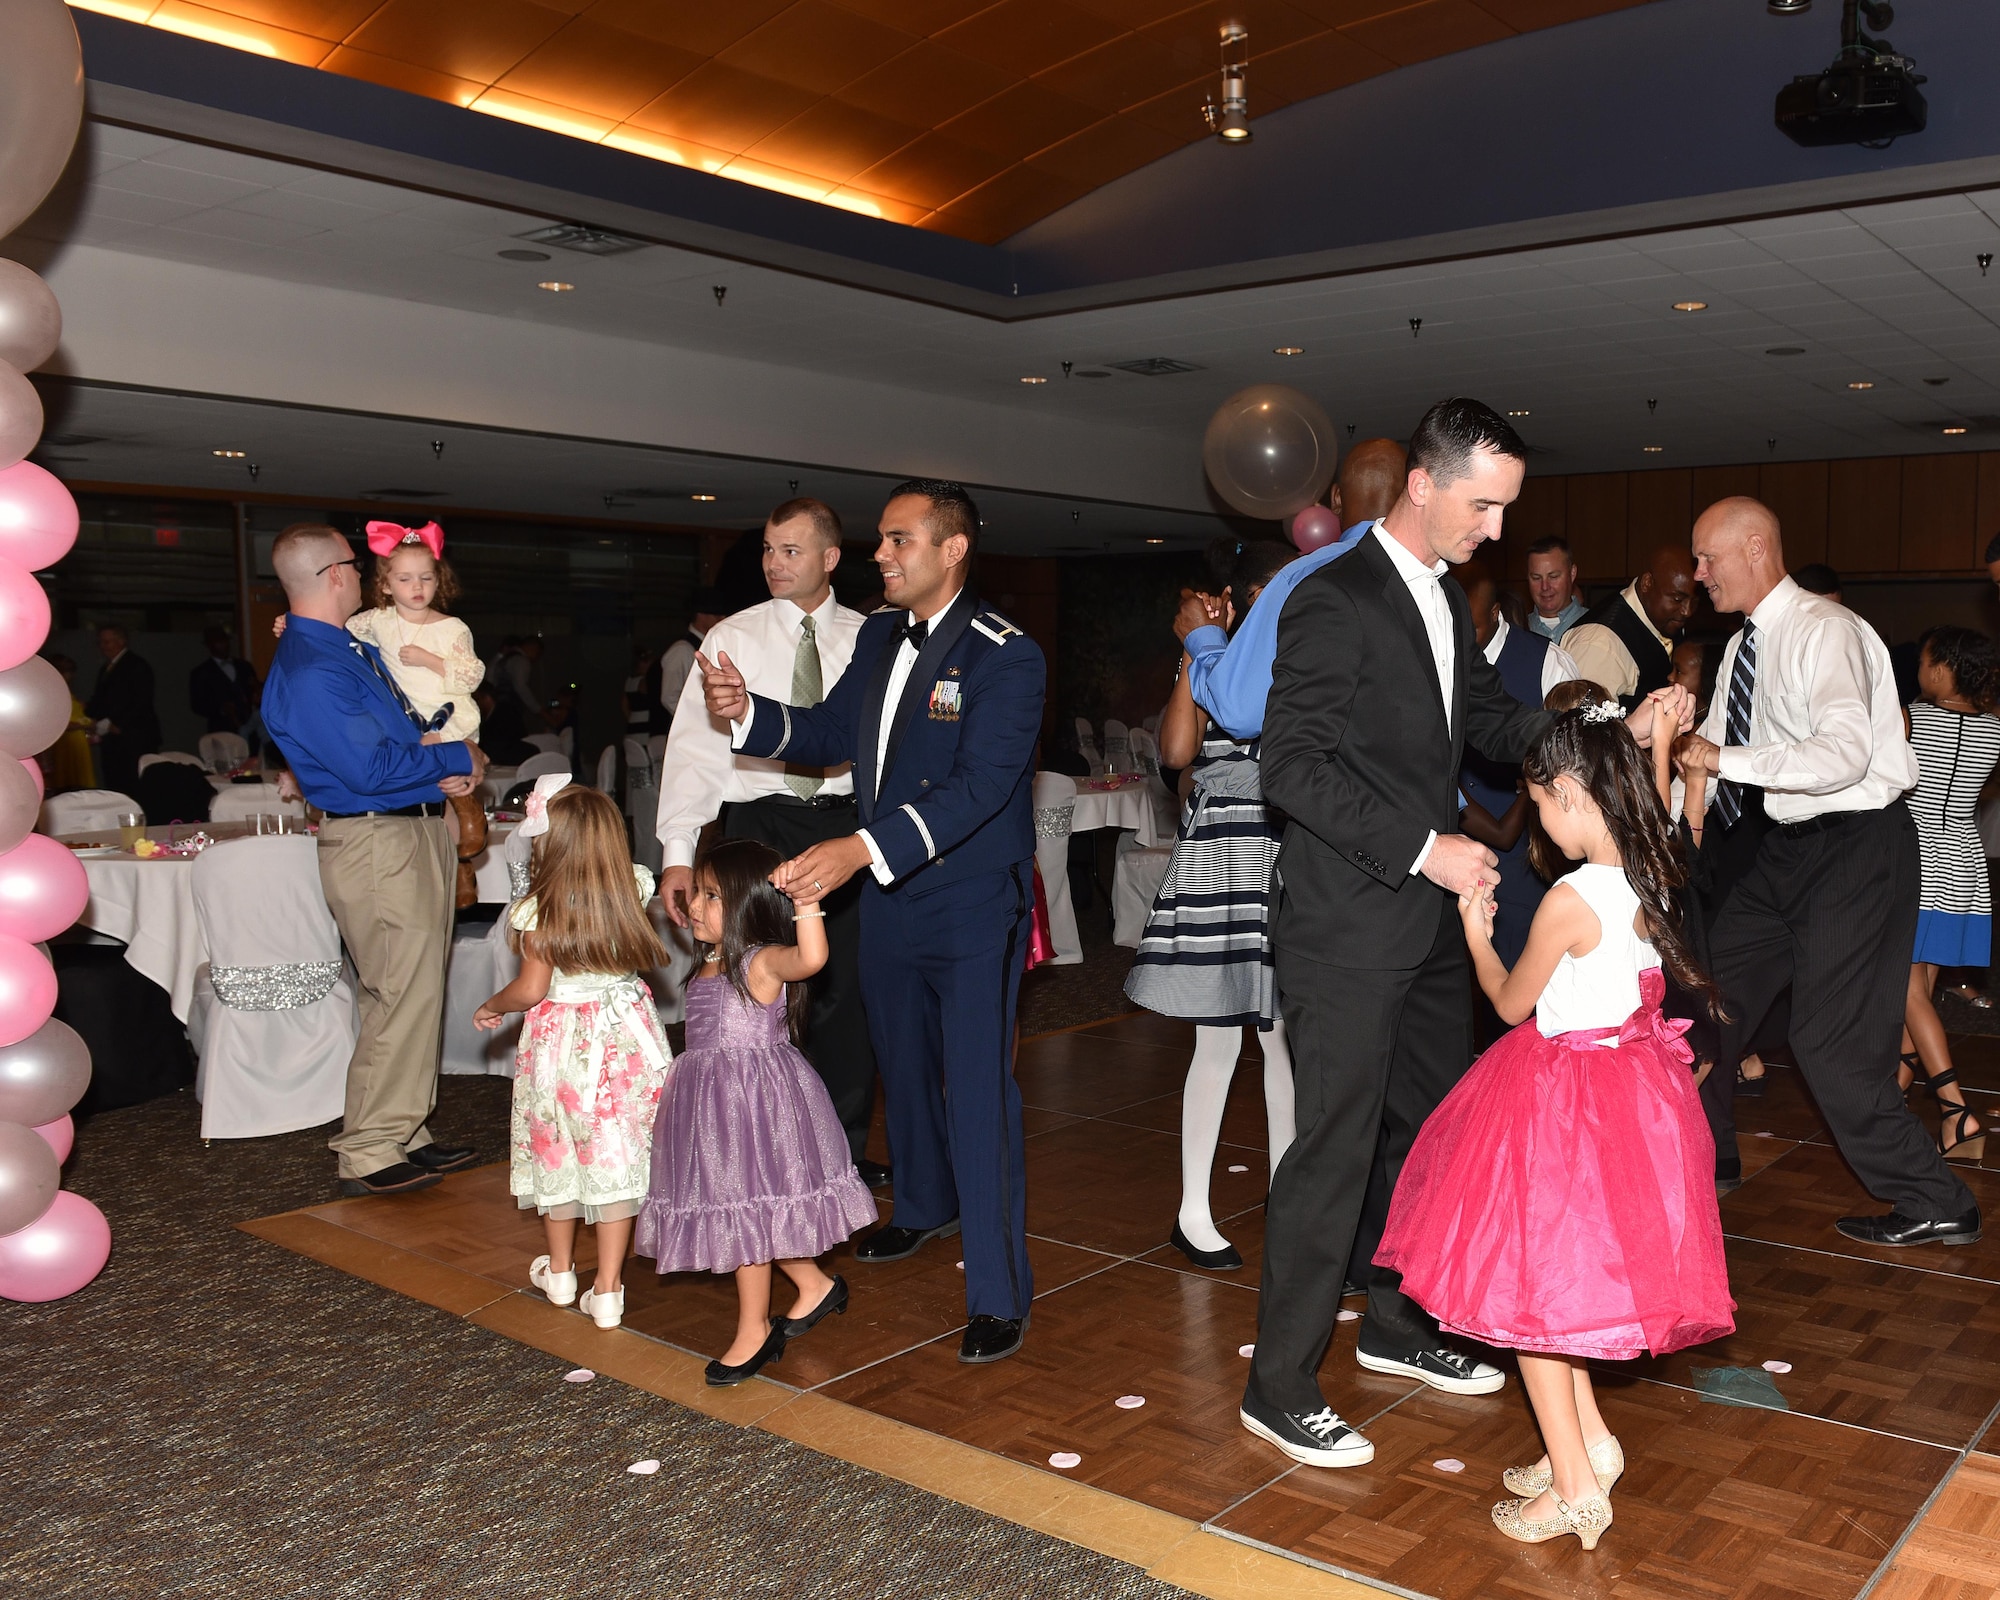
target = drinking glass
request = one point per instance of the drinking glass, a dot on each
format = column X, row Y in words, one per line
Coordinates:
column 131, row 828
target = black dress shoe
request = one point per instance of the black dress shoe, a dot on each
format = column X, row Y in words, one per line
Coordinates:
column 1898, row 1229
column 1224, row 1260
column 991, row 1339
column 442, row 1157
column 874, row 1174
column 1317, row 1437
column 896, row 1244
column 834, row 1302
column 722, row 1377
column 402, row 1178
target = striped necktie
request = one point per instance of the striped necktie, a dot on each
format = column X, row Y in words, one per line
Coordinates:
column 1742, row 682
column 808, row 689
column 375, row 666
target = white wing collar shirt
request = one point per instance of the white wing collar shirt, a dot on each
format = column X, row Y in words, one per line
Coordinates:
column 700, row 773
column 1826, row 729
column 1423, row 579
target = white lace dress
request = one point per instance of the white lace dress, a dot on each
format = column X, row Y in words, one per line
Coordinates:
column 446, row 638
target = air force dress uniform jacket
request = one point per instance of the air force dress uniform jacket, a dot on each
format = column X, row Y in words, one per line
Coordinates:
column 943, row 938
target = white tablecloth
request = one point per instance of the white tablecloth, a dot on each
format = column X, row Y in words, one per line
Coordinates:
column 1130, row 807
column 494, row 786
column 489, row 867
column 149, row 905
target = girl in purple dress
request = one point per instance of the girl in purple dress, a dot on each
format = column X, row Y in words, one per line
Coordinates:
column 750, row 1164
column 1561, row 1201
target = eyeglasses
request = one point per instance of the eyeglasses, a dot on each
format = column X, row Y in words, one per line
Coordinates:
column 351, row 561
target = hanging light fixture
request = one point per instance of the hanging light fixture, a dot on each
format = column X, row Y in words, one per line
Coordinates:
column 1230, row 120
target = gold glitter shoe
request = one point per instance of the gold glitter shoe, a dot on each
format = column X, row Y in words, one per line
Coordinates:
column 1587, row 1519
column 1607, row 1460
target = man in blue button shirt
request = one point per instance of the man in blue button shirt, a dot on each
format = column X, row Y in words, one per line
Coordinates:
column 1230, row 675
column 385, row 858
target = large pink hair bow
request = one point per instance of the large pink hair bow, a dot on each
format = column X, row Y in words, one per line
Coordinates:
column 385, row 538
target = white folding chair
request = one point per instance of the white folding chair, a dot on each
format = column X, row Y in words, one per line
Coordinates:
column 1135, row 885
column 1146, row 762
column 274, row 1018
column 84, row 811
column 607, row 769
column 1086, row 744
column 184, row 757
column 1152, row 724
column 1055, row 805
column 540, row 766
column 221, row 751
column 242, row 801
column 481, row 964
column 547, row 743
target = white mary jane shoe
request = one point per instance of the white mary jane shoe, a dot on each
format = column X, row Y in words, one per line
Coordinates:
column 560, row 1287
column 606, row 1310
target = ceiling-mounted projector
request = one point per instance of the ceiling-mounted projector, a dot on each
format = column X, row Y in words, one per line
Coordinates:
column 1869, row 96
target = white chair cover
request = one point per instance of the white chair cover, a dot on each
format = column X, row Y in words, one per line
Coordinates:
column 1054, row 802
column 607, row 769
column 541, row 765
column 274, row 1015
column 482, row 964
column 84, row 811
column 1086, row 744
column 1117, row 745
column 642, row 801
column 1152, row 724
column 1146, row 762
column 547, row 743
column 1135, row 884
column 221, row 751
column 184, row 757
column 242, row 801
column 669, row 983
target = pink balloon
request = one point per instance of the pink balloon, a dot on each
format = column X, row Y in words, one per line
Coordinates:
column 37, row 516
column 43, row 889
column 34, row 771
column 1314, row 528
column 24, row 614
column 27, row 988
column 61, row 1135
column 58, row 1253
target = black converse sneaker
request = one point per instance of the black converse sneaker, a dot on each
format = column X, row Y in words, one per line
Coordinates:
column 1441, row 1369
column 1318, row 1438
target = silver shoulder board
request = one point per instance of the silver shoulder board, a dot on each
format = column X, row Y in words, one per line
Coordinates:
column 996, row 627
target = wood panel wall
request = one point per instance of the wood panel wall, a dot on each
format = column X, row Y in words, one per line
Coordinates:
column 1878, row 517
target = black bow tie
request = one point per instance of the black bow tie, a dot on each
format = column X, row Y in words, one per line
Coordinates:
column 915, row 632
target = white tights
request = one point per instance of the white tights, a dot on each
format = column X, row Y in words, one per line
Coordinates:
column 1202, row 1101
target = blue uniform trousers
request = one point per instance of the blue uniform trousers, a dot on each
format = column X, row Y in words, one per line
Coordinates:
column 940, row 974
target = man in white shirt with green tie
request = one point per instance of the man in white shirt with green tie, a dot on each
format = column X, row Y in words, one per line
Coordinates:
column 792, row 647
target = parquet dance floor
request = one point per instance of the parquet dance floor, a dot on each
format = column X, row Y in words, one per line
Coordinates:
column 1881, row 1477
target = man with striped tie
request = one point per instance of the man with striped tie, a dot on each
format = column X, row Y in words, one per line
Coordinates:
column 1808, row 714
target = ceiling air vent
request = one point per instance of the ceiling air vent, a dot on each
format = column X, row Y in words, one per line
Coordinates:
column 403, row 494
column 585, row 241
column 1156, row 366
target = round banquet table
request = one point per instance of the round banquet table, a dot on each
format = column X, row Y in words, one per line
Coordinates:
column 1130, row 805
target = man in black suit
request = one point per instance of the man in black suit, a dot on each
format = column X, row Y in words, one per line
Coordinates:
column 222, row 690
column 1378, row 687
column 124, row 724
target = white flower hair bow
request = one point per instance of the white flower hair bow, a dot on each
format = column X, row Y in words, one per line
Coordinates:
column 536, row 821
column 1604, row 711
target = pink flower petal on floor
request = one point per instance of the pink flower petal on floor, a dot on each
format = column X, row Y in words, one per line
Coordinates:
column 1239, row 1169
column 1129, row 1402
column 1065, row 1459
column 1246, row 1349
column 1763, row 1135
column 1777, row 1366
column 581, row 1375
column 961, row 1266
column 1347, row 1316
column 644, row 1469
column 1449, row 1464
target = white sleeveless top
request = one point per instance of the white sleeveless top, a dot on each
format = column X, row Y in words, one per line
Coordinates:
column 1599, row 990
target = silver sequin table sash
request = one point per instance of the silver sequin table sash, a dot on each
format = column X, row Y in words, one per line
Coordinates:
column 279, row 988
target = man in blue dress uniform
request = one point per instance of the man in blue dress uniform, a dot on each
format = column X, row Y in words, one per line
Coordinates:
column 939, row 711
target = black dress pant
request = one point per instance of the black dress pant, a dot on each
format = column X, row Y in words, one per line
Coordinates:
column 1373, row 1052
column 836, row 1041
column 1830, row 907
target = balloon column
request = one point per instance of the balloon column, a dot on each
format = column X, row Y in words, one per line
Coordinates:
column 52, row 1242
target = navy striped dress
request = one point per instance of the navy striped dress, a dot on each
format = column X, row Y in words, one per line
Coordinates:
column 1206, row 953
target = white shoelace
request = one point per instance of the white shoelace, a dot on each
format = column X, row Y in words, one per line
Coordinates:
column 1322, row 1423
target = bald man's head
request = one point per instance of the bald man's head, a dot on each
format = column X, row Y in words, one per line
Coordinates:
column 1666, row 589
column 1738, row 553
column 1370, row 479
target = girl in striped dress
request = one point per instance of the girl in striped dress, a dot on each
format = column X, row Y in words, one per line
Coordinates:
column 1957, row 740
column 1206, row 952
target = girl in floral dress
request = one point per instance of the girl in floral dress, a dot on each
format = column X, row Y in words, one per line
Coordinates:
column 592, row 1058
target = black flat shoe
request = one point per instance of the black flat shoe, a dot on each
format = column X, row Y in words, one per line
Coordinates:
column 1897, row 1229
column 991, row 1339
column 899, row 1244
column 722, row 1377
column 874, row 1174
column 1753, row 1088
column 443, row 1158
column 402, row 1178
column 1224, row 1260
column 835, row 1302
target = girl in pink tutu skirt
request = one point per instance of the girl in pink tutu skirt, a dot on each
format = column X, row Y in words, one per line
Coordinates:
column 1561, row 1201
column 750, row 1166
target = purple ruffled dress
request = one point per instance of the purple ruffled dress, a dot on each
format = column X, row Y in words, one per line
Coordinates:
column 750, row 1163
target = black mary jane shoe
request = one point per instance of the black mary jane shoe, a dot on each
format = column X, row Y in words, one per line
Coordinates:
column 834, row 1301
column 1224, row 1260
column 725, row 1377
column 991, row 1339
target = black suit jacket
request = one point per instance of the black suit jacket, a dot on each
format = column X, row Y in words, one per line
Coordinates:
column 124, row 693
column 224, row 704
column 1357, row 755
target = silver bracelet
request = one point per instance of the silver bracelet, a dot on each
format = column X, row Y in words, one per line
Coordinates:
column 814, row 912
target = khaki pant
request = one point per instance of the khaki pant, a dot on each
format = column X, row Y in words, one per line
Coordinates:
column 388, row 882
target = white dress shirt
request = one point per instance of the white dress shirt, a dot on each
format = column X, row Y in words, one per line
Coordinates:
column 1601, row 656
column 1424, row 585
column 1826, row 729
column 700, row 773
column 1557, row 665
column 677, row 665
column 892, row 696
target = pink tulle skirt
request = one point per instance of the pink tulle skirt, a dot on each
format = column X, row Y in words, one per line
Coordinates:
column 1562, row 1198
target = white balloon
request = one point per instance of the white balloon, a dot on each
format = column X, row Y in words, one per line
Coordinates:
column 41, row 103
column 30, row 319
column 20, row 413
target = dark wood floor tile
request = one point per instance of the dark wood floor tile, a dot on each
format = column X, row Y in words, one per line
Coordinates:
column 1106, row 1186
column 1977, row 1057
column 1758, row 1152
column 1034, row 1120
column 1785, row 1109
column 1168, row 1337
column 1990, row 1445
column 1243, row 1119
column 1869, row 1343
column 1716, row 1501
column 1084, row 1076
column 1140, row 1027
column 1796, row 1201
column 1245, row 1230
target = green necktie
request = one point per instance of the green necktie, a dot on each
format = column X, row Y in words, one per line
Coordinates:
column 808, row 689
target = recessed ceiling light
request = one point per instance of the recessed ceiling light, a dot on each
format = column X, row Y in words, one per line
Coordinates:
column 1956, row 427
column 1690, row 305
column 1652, row 449
column 1289, row 350
column 555, row 286
column 702, row 497
column 1162, row 541
column 1863, row 384
column 1522, row 413
column 1034, row 380
column 1786, row 350
column 230, row 455
column 524, row 255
